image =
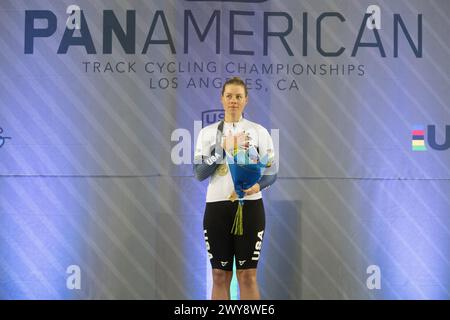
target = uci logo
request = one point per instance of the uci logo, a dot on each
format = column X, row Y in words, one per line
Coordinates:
column 418, row 138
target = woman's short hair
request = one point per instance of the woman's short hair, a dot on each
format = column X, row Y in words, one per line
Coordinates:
column 237, row 81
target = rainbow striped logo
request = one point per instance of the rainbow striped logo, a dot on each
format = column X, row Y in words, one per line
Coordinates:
column 418, row 139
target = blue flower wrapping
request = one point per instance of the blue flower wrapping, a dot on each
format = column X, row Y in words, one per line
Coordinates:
column 245, row 171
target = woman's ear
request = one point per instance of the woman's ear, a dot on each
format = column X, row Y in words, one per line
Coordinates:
column 246, row 101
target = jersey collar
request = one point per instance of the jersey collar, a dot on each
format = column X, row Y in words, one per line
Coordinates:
column 241, row 119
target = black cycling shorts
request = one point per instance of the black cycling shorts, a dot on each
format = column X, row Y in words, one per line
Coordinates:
column 222, row 245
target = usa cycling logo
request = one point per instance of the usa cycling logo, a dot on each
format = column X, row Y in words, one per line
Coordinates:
column 420, row 135
column 3, row 139
column 212, row 116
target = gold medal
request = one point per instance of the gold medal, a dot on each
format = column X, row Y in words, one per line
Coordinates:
column 222, row 170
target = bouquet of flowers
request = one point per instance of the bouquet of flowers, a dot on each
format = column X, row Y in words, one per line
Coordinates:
column 246, row 169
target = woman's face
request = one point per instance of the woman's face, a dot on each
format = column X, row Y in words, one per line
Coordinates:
column 234, row 100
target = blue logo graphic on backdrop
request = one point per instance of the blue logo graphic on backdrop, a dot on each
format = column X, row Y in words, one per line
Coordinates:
column 3, row 139
column 212, row 116
column 418, row 138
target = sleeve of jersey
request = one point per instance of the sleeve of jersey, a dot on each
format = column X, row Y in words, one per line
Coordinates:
column 266, row 148
column 266, row 181
column 206, row 158
column 208, row 165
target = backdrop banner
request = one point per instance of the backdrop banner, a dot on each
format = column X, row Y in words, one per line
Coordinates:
column 101, row 103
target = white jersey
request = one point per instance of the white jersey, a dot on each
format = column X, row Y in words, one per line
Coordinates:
column 221, row 185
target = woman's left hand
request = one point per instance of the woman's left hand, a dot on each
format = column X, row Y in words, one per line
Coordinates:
column 252, row 190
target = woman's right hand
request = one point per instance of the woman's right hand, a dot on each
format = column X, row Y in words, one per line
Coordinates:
column 240, row 140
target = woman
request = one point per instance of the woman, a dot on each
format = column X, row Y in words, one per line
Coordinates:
column 214, row 142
